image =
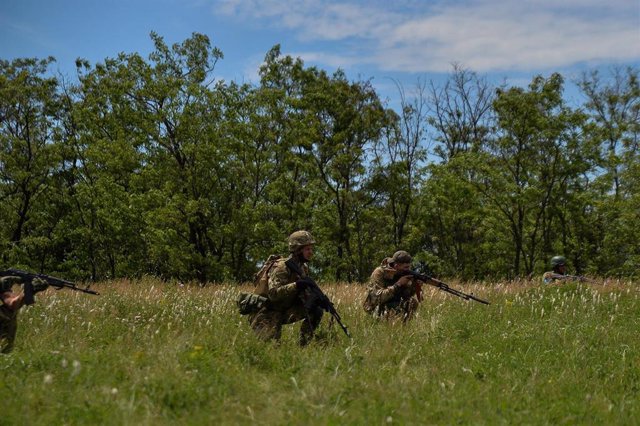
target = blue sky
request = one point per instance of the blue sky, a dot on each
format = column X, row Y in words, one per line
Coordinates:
column 405, row 40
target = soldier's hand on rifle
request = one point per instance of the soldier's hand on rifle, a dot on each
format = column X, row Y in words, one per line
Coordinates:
column 303, row 283
column 39, row 285
column 404, row 281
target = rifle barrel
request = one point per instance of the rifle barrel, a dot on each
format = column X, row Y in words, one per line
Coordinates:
column 443, row 286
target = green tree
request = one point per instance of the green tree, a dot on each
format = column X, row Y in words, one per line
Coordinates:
column 613, row 105
column 399, row 161
column 536, row 149
column 29, row 155
column 346, row 120
column 453, row 233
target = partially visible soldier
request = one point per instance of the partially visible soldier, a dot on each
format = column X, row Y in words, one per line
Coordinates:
column 559, row 272
column 391, row 298
column 10, row 304
column 286, row 293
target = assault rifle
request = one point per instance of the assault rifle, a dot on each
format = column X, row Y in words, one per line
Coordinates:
column 439, row 284
column 28, row 278
column 317, row 296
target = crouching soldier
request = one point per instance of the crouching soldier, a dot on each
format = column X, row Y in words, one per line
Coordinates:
column 559, row 272
column 10, row 304
column 389, row 297
column 285, row 294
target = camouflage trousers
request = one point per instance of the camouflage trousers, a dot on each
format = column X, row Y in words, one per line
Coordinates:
column 403, row 310
column 8, row 329
column 267, row 323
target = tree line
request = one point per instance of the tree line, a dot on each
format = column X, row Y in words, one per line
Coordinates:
column 155, row 166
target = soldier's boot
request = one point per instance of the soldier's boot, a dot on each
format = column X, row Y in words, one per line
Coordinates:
column 411, row 307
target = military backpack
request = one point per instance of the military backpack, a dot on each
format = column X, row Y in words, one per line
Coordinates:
column 249, row 303
column 261, row 278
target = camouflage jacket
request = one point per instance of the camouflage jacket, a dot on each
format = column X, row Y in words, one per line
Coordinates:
column 551, row 276
column 282, row 291
column 380, row 289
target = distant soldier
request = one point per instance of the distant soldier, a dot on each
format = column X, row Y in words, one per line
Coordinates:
column 286, row 292
column 10, row 304
column 559, row 272
column 390, row 297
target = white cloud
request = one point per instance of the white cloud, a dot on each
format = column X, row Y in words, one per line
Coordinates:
column 484, row 35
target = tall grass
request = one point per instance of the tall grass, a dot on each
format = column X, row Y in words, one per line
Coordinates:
column 146, row 352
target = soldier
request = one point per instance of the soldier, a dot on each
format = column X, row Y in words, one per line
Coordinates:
column 285, row 293
column 388, row 297
column 559, row 272
column 10, row 304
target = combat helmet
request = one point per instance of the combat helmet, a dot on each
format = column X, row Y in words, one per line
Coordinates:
column 300, row 239
column 558, row 261
column 400, row 256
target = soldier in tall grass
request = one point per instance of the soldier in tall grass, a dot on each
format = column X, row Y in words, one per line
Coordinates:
column 559, row 272
column 10, row 304
column 285, row 294
column 391, row 297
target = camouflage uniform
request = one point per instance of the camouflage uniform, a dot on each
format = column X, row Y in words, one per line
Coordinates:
column 385, row 299
column 285, row 306
column 550, row 276
column 558, row 273
column 8, row 317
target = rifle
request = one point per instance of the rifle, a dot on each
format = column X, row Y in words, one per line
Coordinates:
column 28, row 278
column 317, row 296
column 439, row 284
column 580, row 278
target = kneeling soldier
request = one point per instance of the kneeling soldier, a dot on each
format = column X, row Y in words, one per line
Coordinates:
column 390, row 297
column 10, row 304
column 559, row 272
column 286, row 293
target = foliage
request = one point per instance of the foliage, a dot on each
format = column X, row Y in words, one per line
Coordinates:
column 155, row 166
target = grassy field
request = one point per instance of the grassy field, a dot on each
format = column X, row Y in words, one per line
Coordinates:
column 150, row 353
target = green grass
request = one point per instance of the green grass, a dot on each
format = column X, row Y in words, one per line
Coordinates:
column 152, row 353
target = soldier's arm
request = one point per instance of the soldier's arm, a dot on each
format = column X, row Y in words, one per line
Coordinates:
column 281, row 285
column 8, row 298
column 550, row 277
column 11, row 300
column 379, row 293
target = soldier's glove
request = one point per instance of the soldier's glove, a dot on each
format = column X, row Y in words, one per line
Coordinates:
column 39, row 285
column 303, row 284
column 404, row 281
